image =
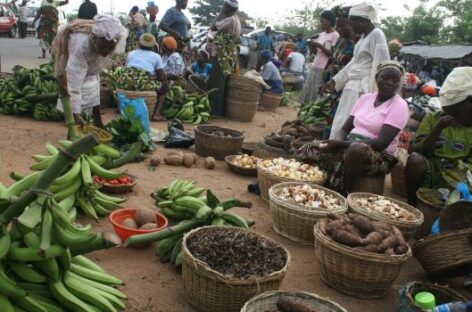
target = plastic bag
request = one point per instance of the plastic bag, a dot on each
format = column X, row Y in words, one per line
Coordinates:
column 140, row 110
column 178, row 138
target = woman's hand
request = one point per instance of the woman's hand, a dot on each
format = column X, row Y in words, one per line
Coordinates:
column 330, row 146
column 328, row 87
column 78, row 120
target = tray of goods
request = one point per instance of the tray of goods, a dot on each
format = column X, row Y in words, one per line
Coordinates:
column 274, row 171
column 242, row 164
column 405, row 217
column 219, row 270
column 102, row 135
column 284, row 301
column 297, row 207
column 217, row 142
column 124, row 184
column 358, row 256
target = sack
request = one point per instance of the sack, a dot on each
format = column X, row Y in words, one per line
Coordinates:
column 139, row 109
column 177, row 137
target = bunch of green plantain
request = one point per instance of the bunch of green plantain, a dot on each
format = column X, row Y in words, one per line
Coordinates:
column 315, row 112
column 189, row 108
column 130, row 79
column 183, row 201
column 47, row 112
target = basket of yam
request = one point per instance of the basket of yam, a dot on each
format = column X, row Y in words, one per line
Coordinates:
column 223, row 267
column 405, row 217
column 274, row 171
column 283, row 301
column 242, row 164
column 359, row 257
column 217, row 142
column 297, row 207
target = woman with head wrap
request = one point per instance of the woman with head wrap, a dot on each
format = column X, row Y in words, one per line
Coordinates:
column 201, row 68
column 176, row 24
column 137, row 25
column 369, row 136
column 270, row 73
column 358, row 77
column 225, row 37
column 443, row 141
column 80, row 52
column 174, row 66
column 146, row 58
column 48, row 17
column 324, row 46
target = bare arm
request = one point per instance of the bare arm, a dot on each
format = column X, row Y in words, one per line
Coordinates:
column 167, row 29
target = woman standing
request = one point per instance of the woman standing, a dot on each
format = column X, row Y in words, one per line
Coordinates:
column 358, row 77
column 48, row 17
column 176, row 24
column 226, row 36
column 324, row 45
column 136, row 23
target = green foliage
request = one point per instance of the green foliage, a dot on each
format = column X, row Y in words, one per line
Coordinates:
column 204, row 12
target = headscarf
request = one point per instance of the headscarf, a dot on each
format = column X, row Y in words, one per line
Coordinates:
column 206, row 54
column 170, row 42
column 147, row 40
column 232, row 3
column 391, row 65
column 329, row 16
column 266, row 54
column 365, row 10
column 457, row 87
column 108, row 27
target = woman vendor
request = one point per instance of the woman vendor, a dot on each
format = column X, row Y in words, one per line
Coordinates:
column 176, row 24
column 226, row 31
column 444, row 139
column 48, row 16
column 137, row 24
column 270, row 73
column 201, row 68
column 369, row 136
column 145, row 58
column 80, row 52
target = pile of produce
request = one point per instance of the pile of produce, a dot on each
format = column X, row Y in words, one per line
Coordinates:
column 181, row 159
column 123, row 180
column 363, row 234
column 30, row 92
column 315, row 112
column 300, row 133
column 286, row 304
column 292, row 169
column 309, row 197
column 130, row 79
column 41, row 264
column 381, row 205
column 235, row 254
column 245, row 161
column 189, row 108
column 183, row 201
column 145, row 219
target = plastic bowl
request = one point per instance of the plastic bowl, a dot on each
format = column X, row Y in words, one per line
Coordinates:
column 118, row 216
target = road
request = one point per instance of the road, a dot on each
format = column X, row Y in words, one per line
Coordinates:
column 23, row 52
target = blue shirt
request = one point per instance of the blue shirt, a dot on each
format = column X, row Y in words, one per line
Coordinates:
column 145, row 60
column 177, row 21
column 302, row 46
column 203, row 73
column 266, row 42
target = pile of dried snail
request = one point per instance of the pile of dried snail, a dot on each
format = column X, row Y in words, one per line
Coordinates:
column 309, row 197
column 292, row 169
column 388, row 208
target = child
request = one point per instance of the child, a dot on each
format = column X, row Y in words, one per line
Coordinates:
column 202, row 68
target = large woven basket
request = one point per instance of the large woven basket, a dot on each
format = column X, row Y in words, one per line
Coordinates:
column 268, row 302
column 430, row 213
column 359, row 274
column 251, row 172
column 196, row 85
column 398, row 180
column 211, row 291
column 266, row 180
column 208, row 144
column 442, row 294
column 408, row 228
column 370, row 184
column 241, row 109
column 150, row 98
column 455, row 217
column 445, row 253
column 264, row 151
column 296, row 222
column 237, row 83
column 242, row 98
column 270, row 101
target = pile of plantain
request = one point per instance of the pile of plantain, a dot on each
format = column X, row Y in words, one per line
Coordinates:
column 189, row 108
column 130, row 79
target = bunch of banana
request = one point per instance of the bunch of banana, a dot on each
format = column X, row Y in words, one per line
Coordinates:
column 47, row 112
column 181, row 201
column 131, row 79
column 189, row 108
column 315, row 112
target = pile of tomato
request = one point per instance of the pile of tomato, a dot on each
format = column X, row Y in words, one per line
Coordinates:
column 124, row 180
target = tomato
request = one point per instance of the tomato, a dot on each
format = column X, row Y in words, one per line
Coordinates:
column 123, row 180
column 96, row 179
column 113, row 182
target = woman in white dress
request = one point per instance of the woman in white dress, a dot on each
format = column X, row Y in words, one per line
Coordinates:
column 358, row 77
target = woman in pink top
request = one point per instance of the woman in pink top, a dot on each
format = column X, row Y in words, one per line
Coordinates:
column 371, row 134
column 324, row 45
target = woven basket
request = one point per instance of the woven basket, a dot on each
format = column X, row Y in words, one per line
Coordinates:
column 101, row 135
column 359, row 274
column 408, row 228
column 430, row 213
column 268, row 302
column 252, row 172
column 207, row 144
column 370, row 184
column 442, row 294
column 398, row 180
column 150, row 98
column 439, row 255
column 266, row 180
column 264, row 151
column 195, row 85
column 248, row 148
column 296, row 222
column 237, row 84
column 211, row 291
column 270, row 101
column 240, row 109
column 119, row 189
column 455, row 217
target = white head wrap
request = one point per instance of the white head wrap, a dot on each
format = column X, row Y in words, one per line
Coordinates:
column 457, row 87
column 107, row 27
column 365, row 10
column 232, row 3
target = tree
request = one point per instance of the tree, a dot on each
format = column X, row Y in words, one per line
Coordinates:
column 459, row 15
column 205, row 11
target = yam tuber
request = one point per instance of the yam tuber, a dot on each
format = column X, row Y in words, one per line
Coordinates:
column 399, row 235
column 373, row 238
column 285, row 304
column 351, row 229
column 389, row 242
column 346, row 238
column 334, row 225
column 362, row 223
column 390, row 252
column 401, row 249
column 379, row 225
column 385, row 234
column 369, row 248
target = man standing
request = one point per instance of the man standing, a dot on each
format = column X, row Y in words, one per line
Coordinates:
column 266, row 41
column 23, row 19
column 302, row 44
column 87, row 10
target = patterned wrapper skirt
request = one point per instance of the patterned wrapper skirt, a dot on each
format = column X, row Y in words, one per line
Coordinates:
column 312, row 85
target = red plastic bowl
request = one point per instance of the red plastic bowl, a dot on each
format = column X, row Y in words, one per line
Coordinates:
column 118, row 216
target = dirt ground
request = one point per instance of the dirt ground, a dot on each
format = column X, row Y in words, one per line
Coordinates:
column 154, row 286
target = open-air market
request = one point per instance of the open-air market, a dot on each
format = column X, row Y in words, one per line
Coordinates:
column 235, row 156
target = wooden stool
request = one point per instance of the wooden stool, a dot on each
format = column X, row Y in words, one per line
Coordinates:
column 371, row 184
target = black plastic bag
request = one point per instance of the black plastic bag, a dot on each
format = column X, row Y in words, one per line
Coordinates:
column 177, row 137
column 175, row 123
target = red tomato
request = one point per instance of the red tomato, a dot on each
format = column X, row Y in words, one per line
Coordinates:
column 114, row 182
column 123, row 180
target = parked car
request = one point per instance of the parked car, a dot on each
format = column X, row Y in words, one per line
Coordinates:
column 8, row 21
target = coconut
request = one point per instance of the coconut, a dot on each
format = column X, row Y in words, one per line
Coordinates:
column 155, row 161
column 210, row 163
column 188, row 160
column 149, row 226
column 129, row 223
column 144, row 216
